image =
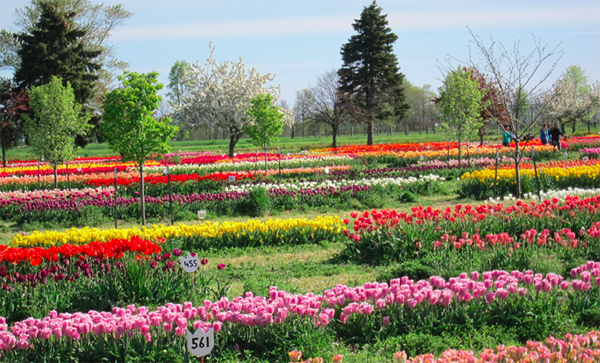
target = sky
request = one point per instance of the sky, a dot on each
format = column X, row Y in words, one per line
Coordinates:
column 300, row 40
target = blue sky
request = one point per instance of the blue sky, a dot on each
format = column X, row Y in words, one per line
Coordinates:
column 299, row 40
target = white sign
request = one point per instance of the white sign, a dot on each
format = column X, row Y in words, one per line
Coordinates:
column 326, row 170
column 231, row 178
column 202, row 214
column 200, row 343
column 190, row 263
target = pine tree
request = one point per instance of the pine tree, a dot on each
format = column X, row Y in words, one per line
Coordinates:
column 54, row 47
column 370, row 74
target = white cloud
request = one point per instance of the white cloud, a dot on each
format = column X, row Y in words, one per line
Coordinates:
column 502, row 18
column 432, row 20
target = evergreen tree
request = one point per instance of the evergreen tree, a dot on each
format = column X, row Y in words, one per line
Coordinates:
column 12, row 104
column 55, row 48
column 370, row 74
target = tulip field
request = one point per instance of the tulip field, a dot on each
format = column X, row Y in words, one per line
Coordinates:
column 382, row 253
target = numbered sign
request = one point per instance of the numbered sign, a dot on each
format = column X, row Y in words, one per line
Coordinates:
column 326, row 170
column 200, row 343
column 231, row 178
column 202, row 214
column 190, row 263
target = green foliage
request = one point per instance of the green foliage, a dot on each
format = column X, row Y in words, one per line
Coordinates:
column 58, row 40
column 57, row 120
column 257, row 204
column 460, row 104
column 370, row 74
column 267, row 123
column 129, row 125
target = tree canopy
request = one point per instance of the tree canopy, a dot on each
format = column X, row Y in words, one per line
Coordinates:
column 58, row 118
column 54, row 48
column 221, row 95
column 459, row 105
column 370, row 75
column 267, row 121
column 572, row 99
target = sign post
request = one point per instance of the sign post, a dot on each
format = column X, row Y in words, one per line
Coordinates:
column 166, row 171
column 116, row 217
column 190, row 263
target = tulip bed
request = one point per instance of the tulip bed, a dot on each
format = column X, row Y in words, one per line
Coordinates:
column 484, row 282
column 480, row 184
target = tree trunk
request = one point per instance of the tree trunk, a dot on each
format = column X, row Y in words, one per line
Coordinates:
column 4, row 156
column 142, row 193
column 266, row 168
column 334, row 129
column 459, row 154
column 370, row 132
column 293, row 131
column 233, row 139
column 406, row 128
column 517, row 169
column 55, row 167
column 481, row 133
column 573, row 128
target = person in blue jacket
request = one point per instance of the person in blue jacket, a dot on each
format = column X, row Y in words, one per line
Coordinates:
column 544, row 136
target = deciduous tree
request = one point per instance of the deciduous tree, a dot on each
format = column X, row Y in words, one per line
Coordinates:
column 572, row 99
column 221, row 95
column 460, row 105
column 267, row 123
column 519, row 77
column 129, row 125
column 57, row 119
column 327, row 103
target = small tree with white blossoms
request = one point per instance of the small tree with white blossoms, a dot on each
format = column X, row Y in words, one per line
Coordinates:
column 220, row 95
column 572, row 99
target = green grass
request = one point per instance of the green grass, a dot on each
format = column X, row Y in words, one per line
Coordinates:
column 285, row 144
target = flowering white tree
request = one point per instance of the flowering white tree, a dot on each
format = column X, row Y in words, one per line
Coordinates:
column 220, row 95
column 572, row 99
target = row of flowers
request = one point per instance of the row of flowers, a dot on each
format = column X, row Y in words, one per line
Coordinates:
column 277, row 228
column 568, row 163
column 105, row 200
column 550, row 194
column 111, row 249
column 573, row 348
column 356, row 149
column 341, row 303
column 590, row 169
column 331, row 184
column 20, row 197
column 156, row 175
